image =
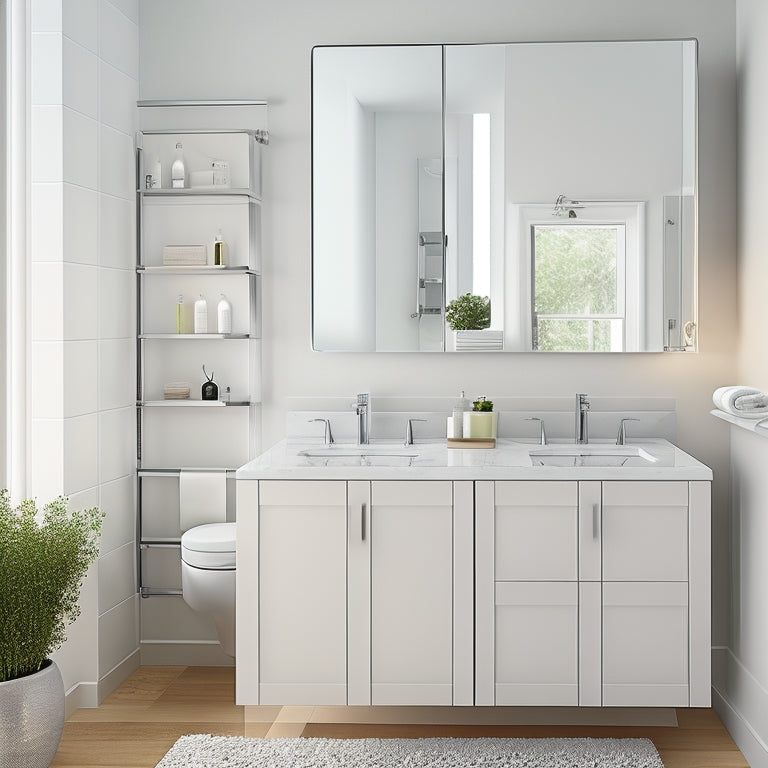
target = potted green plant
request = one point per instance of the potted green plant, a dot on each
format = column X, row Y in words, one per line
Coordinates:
column 468, row 313
column 481, row 421
column 43, row 559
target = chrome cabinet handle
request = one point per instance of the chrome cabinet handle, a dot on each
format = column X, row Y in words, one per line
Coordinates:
column 595, row 521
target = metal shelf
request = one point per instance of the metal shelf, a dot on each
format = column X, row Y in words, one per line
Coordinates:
column 200, row 192
column 195, row 336
column 188, row 403
column 162, row 269
column 175, row 471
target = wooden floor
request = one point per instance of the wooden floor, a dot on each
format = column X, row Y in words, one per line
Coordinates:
column 138, row 723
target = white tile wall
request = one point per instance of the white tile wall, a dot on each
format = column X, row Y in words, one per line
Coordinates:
column 117, row 580
column 47, row 392
column 117, row 222
column 117, row 96
column 46, row 87
column 81, row 375
column 117, row 373
column 118, row 40
column 81, row 453
column 81, row 220
column 80, row 22
column 45, row 16
column 117, row 292
column 118, row 502
column 118, row 634
column 117, row 435
column 47, row 140
column 47, row 215
column 47, row 301
column 116, row 168
column 81, row 85
column 80, row 302
column 80, row 149
column 84, row 63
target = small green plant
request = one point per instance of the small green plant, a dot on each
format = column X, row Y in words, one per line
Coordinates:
column 469, row 313
column 42, row 566
column 482, row 405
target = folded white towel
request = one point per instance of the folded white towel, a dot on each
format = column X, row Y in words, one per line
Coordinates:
column 725, row 399
column 752, row 402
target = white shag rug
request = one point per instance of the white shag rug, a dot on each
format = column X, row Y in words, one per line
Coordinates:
column 203, row 751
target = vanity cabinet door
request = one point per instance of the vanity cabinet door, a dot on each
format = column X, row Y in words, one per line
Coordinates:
column 302, row 592
column 411, row 567
column 536, row 643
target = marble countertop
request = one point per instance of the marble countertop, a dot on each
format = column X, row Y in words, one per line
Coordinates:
column 644, row 459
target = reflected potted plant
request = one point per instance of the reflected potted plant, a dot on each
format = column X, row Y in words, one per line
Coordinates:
column 44, row 557
column 481, row 421
column 468, row 313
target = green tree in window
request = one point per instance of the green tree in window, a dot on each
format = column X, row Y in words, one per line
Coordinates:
column 575, row 274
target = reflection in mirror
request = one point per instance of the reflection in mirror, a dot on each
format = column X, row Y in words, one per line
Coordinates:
column 566, row 194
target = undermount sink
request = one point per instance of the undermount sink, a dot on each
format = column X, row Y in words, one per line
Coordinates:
column 591, row 456
column 333, row 456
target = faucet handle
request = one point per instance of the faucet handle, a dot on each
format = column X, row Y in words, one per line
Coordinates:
column 543, row 436
column 327, row 434
column 621, row 438
column 409, row 431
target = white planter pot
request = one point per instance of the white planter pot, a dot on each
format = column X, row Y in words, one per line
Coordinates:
column 31, row 718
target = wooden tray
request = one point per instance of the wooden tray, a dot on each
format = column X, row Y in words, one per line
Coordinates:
column 471, row 442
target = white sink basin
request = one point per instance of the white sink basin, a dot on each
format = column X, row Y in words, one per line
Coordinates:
column 591, row 456
column 364, row 456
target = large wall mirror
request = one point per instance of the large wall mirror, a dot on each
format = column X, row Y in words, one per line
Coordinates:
column 557, row 181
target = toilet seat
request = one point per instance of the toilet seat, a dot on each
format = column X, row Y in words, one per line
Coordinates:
column 210, row 546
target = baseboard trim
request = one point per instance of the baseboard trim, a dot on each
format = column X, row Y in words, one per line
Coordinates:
column 191, row 654
column 747, row 740
column 80, row 695
column 118, row 674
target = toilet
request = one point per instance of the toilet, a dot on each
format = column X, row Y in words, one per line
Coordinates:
column 208, row 576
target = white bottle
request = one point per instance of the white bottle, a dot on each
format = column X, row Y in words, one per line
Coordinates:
column 459, row 407
column 201, row 315
column 157, row 174
column 224, row 312
column 178, row 172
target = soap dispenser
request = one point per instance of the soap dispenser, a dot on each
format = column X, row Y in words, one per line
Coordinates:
column 459, row 408
column 178, row 172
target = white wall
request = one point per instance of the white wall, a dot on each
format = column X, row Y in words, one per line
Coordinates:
column 267, row 55
column 84, row 85
column 741, row 669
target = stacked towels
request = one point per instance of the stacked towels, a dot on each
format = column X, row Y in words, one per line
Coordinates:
column 747, row 402
column 176, row 390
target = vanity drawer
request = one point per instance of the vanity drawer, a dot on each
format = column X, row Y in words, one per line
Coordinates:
column 536, row 527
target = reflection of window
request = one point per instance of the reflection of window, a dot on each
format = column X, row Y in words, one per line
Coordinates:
column 578, row 287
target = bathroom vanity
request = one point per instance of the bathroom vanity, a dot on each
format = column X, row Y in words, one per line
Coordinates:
column 525, row 575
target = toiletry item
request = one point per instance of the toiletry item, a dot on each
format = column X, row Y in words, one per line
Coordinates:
column 224, row 315
column 178, row 172
column 459, row 408
column 226, row 395
column 219, row 250
column 220, row 173
column 180, row 314
column 210, row 390
column 157, row 174
column 201, row 315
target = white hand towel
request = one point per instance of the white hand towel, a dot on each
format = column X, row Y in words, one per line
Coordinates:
column 725, row 398
column 202, row 498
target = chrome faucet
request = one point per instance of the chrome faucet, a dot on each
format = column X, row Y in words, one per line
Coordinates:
column 409, row 431
column 582, row 425
column 327, row 434
column 363, row 400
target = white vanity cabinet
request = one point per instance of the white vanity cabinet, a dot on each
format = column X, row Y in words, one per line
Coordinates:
column 593, row 593
column 358, row 592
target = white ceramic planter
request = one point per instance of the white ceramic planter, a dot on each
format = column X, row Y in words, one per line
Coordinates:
column 480, row 424
column 31, row 718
